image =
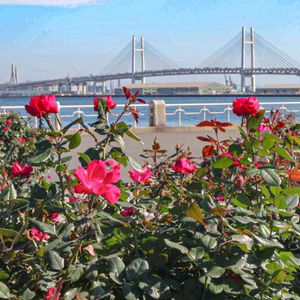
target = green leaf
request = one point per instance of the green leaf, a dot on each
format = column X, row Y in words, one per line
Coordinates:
column 132, row 135
column 75, row 141
column 177, row 246
column 254, row 122
column 4, row 291
column 268, row 141
column 77, row 121
column 280, row 202
column 243, row 239
column 215, row 272
column 283, row 153
column 135, row 164
column 121, row 142
column 268, row 243
column 241, row 200
column 85, row 157
column 270, row 176
column 47, row 228
column 42, row 153
column 223, row 162
column 28, row 295
column 196, row 253
column 292, row 201
column 55, row 261
column 137, row 269
column 8, row 232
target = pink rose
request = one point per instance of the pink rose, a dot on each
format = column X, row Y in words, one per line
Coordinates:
column 39, row 106
column 110, row 103
column 220, row 198
column 21, row 170
column 53, row 293
column 99, row 178
column 245, row 106
column 22, row 140
column 184, row 166
column 37, row 235
column 8, row 121
column 142, row 177
column 5, row 128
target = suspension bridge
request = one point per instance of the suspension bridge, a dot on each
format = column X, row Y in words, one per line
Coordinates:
column 247, row 54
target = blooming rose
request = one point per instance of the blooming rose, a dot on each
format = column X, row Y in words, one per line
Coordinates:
column 39, row 106
column 142, row 176
column 54, row 217
column 22, row 140
column 98, row 179
column 52, row 294
column 8, row 121
column 21, row 170
column 37, row 235
column 110, row 103
column 184, row 166
column 128, row 212
column 245, row 106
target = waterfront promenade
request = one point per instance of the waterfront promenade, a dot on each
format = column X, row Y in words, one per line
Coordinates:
column 168, row 137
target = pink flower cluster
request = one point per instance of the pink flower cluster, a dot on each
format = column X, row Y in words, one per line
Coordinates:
column 99, row 178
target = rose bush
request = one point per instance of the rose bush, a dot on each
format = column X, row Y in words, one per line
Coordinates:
column 225, row 226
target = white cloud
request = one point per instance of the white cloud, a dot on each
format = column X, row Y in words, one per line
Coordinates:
column 50, row 2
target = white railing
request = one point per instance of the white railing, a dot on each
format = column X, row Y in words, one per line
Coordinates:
column 175, row 113
column 206, row 109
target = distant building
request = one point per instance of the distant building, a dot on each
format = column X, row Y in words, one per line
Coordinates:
column 279, row 89
column 177, row 88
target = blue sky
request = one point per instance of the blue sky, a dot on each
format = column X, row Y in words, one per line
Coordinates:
column 49, row 41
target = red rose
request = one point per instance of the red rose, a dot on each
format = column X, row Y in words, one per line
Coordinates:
column 8, row 121
column 245, row 106
column 20, row 170
column 39, row 106
column 110, row 103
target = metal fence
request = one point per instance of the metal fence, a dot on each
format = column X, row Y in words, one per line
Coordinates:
column 182, row 114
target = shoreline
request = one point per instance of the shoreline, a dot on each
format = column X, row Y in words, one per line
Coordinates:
column 167, row 96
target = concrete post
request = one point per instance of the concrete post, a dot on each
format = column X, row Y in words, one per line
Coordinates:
column 243, row 62
column 157, row 113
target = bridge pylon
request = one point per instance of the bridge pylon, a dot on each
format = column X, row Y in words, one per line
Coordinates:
column 135, row 49
column 250, row 42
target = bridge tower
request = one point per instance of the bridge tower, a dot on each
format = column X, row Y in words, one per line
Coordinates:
column 133, row 58
column 13, row 76
column 252, row 59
